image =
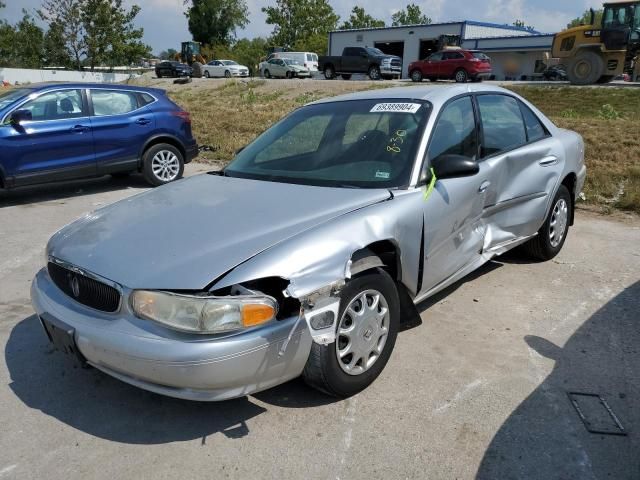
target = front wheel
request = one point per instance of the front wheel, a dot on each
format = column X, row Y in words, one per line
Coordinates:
column 206, row 74
column 267, row 74
column 162, row 163
column 374, row 72
column 366, row 333
column 227, row 74
column 416, row 76
column 553, row 233
column 329, row 73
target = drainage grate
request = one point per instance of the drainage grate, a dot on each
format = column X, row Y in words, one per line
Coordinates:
column 596, row 414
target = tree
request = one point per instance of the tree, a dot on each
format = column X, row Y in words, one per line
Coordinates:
column 411, row 16
column 28, row 42
column 360, row 19
column 303, row 24
column 521, row 24
column 585, row 19
column 215, row 21
column 67, row 14
column 7, row 41
column 56, row 53
column 168, row 54
column 249, row 52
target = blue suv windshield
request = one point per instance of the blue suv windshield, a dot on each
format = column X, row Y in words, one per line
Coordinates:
column 359, row 143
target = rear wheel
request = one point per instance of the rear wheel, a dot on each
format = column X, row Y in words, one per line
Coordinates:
column 374, row 72
column 461, row 76
column 553, row 233
column 346, row 76
column 585, row 68
column 416, row 76
column 162, row 163
column 366, row 334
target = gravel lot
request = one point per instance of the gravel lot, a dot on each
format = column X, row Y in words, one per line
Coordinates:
column 478, row 390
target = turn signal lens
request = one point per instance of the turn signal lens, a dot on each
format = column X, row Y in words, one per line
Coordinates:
column 255, row 314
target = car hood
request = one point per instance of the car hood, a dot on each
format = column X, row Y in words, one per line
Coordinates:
column 188, row 233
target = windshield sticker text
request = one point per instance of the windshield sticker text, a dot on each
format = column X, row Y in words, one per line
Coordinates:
column 396, row 107
column 380, row 174
column 396, row 141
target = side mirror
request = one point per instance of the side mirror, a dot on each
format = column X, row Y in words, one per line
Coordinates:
column 451, row 166
column 20, row 116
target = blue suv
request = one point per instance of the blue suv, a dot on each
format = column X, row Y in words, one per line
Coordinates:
column 53, row 132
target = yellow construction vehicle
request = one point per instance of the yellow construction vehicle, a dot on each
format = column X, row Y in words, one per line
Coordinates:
column 190, row 54
column 598, row 53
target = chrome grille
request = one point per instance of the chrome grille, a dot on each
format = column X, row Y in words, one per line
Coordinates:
column 85, row 290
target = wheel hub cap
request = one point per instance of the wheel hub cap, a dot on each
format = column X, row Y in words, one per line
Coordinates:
column 558, row 224
column 165, row 165
column 362, row 332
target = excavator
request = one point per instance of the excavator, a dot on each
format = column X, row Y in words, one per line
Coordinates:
column 598, row 53
column 190, row 54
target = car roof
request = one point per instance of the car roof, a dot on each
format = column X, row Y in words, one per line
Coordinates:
column 434, row 94
column 39, row 87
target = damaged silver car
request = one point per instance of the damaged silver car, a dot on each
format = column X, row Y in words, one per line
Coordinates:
column 304, row 253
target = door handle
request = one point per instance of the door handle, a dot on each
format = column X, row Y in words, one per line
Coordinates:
column 79, row 129
column 548, row 161
column 143, row 121
column 484, row 186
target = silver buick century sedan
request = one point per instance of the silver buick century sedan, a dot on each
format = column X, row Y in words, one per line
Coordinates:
column 302, row 256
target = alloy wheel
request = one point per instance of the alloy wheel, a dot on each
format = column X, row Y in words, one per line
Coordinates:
column 362, row 332
column 165, row 165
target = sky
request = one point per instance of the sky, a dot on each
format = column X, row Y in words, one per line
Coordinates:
column 165, row 25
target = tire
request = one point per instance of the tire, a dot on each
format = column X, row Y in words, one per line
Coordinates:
column 346, row 76
column 206, row 74
column 548, row 243
column 162, row 163
column 461, row 76
column 197, row 69
column 329, row 73
column 585, row 68
column 416, row 76
column 287, row 75
column 227, row 74
column 374, row 72
column 325, row 371
column 267, row 74
column 158, row 75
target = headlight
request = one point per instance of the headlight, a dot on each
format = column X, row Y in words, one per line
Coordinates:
column 203, row 314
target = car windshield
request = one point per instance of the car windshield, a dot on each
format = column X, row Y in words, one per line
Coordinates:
column 290, row 61
column 358, row 143
column 229, row 62
column 374, row 51
column 10, row 96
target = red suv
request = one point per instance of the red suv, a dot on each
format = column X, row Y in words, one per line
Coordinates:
column 458, row 65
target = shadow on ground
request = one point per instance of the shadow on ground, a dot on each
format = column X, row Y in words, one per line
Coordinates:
column 99, row 405
column 69, row 189
column 544, row 437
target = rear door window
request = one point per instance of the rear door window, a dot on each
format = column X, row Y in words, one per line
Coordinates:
column 502, row 125
column 535, row 129
column 113, row 102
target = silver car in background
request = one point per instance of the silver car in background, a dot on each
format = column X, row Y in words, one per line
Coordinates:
column 301, row 256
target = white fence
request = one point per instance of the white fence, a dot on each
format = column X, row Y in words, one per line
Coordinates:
column 23, row 75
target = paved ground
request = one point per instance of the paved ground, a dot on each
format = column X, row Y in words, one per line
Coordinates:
column 478, row 390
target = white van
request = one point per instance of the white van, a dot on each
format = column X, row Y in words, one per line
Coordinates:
column 307, row 59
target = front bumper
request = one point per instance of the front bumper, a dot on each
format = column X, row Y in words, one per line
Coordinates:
column 387, row 70
column 239, row 73
column 306, row 74
column 192, row 367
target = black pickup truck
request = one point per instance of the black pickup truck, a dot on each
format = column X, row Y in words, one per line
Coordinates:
column 361, row 60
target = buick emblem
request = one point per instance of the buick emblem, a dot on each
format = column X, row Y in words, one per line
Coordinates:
column 75, row 285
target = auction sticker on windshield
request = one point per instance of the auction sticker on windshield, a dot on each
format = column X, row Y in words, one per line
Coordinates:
column 396, row 107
